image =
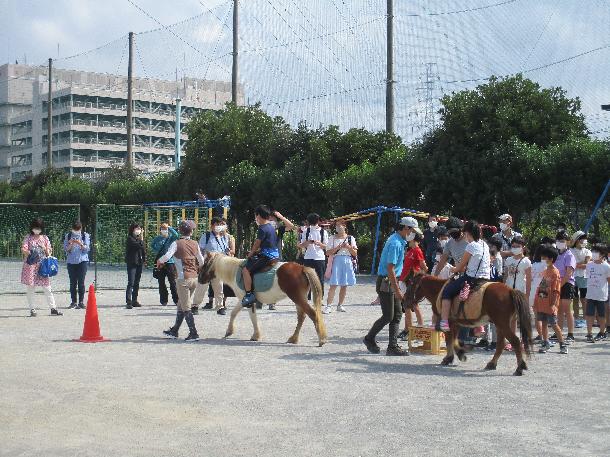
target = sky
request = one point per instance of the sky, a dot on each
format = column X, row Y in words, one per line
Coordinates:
column 323, row 61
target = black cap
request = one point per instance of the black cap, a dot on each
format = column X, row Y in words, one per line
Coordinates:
column 453, row 223
column 441, row 230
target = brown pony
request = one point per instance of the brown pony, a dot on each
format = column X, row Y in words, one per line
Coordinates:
column 501, row 305
column 291, row 280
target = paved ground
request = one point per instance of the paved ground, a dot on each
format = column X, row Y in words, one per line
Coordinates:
column 142, row 395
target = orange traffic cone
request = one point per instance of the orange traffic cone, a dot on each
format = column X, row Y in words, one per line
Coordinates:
column 91, row 329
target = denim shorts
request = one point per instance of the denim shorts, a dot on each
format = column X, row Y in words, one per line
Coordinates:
column 550, row 319
column 595, row 305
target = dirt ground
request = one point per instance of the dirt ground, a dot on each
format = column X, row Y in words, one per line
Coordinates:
column 140, row 394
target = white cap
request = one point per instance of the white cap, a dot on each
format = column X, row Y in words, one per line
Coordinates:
column 409, row 222
column 578, row 235
column 417, row 230
column 505, row 217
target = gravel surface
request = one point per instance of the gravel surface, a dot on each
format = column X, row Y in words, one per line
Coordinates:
column 142, row 395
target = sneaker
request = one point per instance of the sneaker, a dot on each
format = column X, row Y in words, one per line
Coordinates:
column 538, row 340
column 508, row 347
column 192, row 337
column 163, row 304
column 171, row 333
column 563, row 348
column 195, row 309
column 444, row 326
column 327, row 310
column 551, row 343
column 210, row 305
column 248, row 300
column 56, row 312
column 553, row 337
column 259, row 305
column 128, row 306
column 404, row 335
column 483, row 343
column 222, row 311
column 371, row 345
column 569, row 339
column 73, row 306
column 33, row 313
column 600, row 336
column 82, row 306
column 590, row 338
column 271, row 307
column 580, row 323
column 341, row 309
column 544, row 348
column 396, row 351
column 136, row 304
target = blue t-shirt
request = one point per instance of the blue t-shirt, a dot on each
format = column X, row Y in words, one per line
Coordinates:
column 394, row 253
column 268, row 236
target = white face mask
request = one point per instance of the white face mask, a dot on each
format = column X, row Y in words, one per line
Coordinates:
column 442, row 243
column 340, row 229
column 36, row 231
column 411, row 236
column 218, row 229
column 76, row 232
column 438, row 258
column 516, row 251
column 503, row 226
column 561, row 245
column 432, row 224
column 595, row 256
column 165, row 233
column 137, row 232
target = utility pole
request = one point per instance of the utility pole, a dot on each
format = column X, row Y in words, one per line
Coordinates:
column 235, row 72
column 177, row 129
column 50, row 118
column 129, row 161
column 389, row 97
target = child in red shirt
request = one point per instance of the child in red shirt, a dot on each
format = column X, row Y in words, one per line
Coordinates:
column 414, row 263
column 546, row 302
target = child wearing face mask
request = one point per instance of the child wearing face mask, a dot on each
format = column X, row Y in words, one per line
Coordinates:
column 583, row 257
column 566, row 264
column 135, row 258
column 598, row 272
column 547, row 300
column 518, row 273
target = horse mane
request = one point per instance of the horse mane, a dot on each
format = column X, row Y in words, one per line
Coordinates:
column 224, row 266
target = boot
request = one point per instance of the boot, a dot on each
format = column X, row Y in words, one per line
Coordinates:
column 190, row 321
column 393, row 348
column 173, row 331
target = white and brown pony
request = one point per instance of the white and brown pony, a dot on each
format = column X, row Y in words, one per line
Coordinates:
column 291, row 280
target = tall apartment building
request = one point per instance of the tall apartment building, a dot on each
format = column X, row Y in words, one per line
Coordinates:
column 89, row 114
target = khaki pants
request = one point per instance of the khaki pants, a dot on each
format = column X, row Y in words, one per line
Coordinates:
column 186, row 290
column 202, row 291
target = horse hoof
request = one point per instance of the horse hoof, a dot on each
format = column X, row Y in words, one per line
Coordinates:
column 228, row 334
column 523, row 365
column 518, row 372
column 321, row 343
column 490, row 366
column 462, row 356
column 292, row 341
column 255, row 338
column 446, row 361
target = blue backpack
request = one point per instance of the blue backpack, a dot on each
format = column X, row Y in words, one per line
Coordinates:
column 49, row 267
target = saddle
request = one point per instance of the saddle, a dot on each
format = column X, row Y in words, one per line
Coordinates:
column 471, row 309
column 262, row 280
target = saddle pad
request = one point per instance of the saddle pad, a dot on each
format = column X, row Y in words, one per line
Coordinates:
column 472, row 306
column 262, row 281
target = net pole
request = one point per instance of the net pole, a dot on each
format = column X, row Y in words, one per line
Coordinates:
column 95, row 221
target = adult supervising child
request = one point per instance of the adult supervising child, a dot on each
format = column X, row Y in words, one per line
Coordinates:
column 414, row 263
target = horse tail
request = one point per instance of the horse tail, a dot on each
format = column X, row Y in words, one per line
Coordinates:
column 525, row 318
column 316, row 294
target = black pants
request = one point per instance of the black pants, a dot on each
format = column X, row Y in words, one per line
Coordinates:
column 391, row 313
column 320, row 267
column 77, row 273
column 169, row 272
column 134, row 273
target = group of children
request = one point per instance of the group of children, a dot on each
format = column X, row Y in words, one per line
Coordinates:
column 561, row 277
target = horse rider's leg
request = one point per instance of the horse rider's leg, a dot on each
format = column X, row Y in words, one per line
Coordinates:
column 446, row 306
column 500, row 342
column 256, row 336
column 234, row 313
column 450, row 337
column 294, row 339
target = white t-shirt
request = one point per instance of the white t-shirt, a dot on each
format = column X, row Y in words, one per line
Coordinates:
column 445, row 273
column 479, row 262
column 334, row 242
column 514, row 272
column 537, row 272
column 597, row 284
column 581, row 255
column 314, row 252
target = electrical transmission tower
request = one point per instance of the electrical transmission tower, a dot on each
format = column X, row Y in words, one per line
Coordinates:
column 430, row 91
